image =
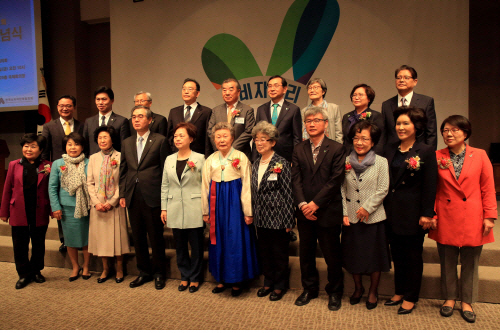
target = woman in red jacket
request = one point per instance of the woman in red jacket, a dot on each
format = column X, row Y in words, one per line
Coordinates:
column 466, row 208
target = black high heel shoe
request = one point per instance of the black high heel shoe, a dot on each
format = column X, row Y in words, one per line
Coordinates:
column 355, row 300
column 73, row 278
column 370, row 305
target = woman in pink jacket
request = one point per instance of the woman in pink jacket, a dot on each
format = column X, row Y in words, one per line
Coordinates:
column 466, row 208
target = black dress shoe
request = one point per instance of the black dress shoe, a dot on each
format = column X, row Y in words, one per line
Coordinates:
column 182, row 287
column 293, row 236
column 23, row 282
column 334, row 302
column 218, row 290
column 276, row 296
column 355, row 300
column 86, row 277
column 370, row 305
column 63, row 248
column 39, row 278
column 263, row 292
column 393, row 303
column 469, row 316
column 159, row 282
column 73, row 278
column 140, row 281
column 193, row 289
column 236, row 292
column 306, row 297
column 104, row 279
column 446, row 311
column 119, row 280
column 403, row 311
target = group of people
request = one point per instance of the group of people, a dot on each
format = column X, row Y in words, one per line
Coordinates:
column 366, row 187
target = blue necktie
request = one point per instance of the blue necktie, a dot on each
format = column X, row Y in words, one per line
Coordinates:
column 275, row 114
column 139, row 149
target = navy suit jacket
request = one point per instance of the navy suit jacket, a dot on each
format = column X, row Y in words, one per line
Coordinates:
column 53, row 131
column 120, row 124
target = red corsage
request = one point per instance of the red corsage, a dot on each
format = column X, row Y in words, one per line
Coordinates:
column 114, row 163
column 236, row 163
column 235, row 113
column 365, row 115
column 414, row 163
column 191, row 165
column 444, row 163
column 348, row 166
column 277, row 168
column 64, row 168
column 46, row 169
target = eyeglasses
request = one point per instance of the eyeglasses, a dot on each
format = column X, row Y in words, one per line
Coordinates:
column 364, row 140
column 188, row 89
column 405, row 78
column 142, row 101
column 358, row 95
column 275, row 86
column 453, row 131
column 62, row 106
column 261, row 141
column 140, row 116
column 310, row 88
column 315, row 120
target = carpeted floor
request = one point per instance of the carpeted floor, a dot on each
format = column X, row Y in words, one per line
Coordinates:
column 60, row 304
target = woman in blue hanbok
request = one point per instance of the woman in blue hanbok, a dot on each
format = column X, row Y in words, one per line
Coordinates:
column 227, row 208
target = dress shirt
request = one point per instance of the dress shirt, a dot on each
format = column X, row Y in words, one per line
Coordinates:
column 408, row 99
column 71, row 123
column 145, row 136
column 106, row 117
column 191, row 111
column 280, row 105
column 458, row 162
column 315, row 152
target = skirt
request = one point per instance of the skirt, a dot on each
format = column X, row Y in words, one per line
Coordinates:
column 108, row 235
column 76, row 231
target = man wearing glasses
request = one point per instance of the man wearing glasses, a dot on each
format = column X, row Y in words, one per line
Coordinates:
column 239, row 115
column 406, row 80
column 159, row 122
column 194, row 113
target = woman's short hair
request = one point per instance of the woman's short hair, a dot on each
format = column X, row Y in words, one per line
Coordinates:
column 416, row 115
column 266, row 128
column 32, row 137
column 222, row 126
column 375, row 132
column 458, row 121
column 110, row 130
column 314, row 111
column 321, row 82
column 370, row 93
column 190, row 129
column 75, row 137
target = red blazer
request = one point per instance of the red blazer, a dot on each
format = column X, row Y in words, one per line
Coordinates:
column 461, row 205
column 13, row 196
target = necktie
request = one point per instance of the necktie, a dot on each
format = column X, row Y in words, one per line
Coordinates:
column 403, row 101
column 275, row 114
column 139, row 149
column 102, row 121
column 187, row 116
column 229, row 115
column 67, row 128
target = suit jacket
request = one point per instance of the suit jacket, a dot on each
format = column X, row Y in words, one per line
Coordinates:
column 53, row 131
column 59, row 196
column 120, row 124
column 243, row 132
column 272, row 201
column 321, row 181
column 13, row 205
column 426, row 103
column 376, row 118
column 158, row 124
column 200, row 118
column 147, row 172
column 463, row 204
column 289, row 125
column 93, row 174
column 367, row 191
column 412, row 192
column 182, row 199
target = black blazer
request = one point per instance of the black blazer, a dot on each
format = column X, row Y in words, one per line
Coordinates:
column 148, row 173
column 200, row 119
column 411, row 193
column 158, row 125
column 376, row 118
column 53, row 131
column 426, row 103
column 320, row 182
column 289, row 124
column 120, row 124
column 272, row 201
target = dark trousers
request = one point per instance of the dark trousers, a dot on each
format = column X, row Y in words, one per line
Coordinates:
column 272, row 245
column 329, row 241
column 146, row 223
column 406, row 254
column 21, row 239
column 191, row 267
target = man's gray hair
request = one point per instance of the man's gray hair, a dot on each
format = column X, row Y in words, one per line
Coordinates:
column 314, row 111
column 321, row 82
column 149, row 114
column 144, row 92
column 222, row 126
column 266, row 128
column 232, row 80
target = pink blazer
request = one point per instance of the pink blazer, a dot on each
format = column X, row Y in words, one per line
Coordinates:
column 13, row 196
column 461, row 205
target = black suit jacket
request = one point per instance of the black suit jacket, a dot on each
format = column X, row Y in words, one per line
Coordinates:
column 148, row 172
column 289, row 125
column 120, row 124
column 376, row 118
column 200, row 118
column 321, row 181
column 53, row 131
column 411, row 192
column 158, row 125
column 426, row 103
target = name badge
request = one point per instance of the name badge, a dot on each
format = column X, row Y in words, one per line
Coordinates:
column 272, row 177
column 239, row 120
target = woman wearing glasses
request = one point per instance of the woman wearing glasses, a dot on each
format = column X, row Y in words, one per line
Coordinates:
column 362, row 96
column 466, row 208
column 316, row 89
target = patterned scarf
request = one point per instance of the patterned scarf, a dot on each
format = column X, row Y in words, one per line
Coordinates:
column 354, row 118
column 360, row 167
column 305, row 136
column 74, row 181
column 106, row 186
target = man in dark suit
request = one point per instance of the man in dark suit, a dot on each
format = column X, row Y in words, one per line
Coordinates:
column 406, row 80
column 54, row 131
column 318, row 170
column 104, row 99
column 158, row 122
column 141, row 170
column 239, row 115
column 282, row 114
column 194, row 113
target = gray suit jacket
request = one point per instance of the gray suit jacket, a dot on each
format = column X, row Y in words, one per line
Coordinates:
column 53, row 131
column 120, row 124
column 243, row 132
